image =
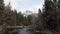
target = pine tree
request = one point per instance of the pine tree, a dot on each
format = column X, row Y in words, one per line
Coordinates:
column 58, row 16
column 50, row 14
column 39, row 23
column 9, row 16
column 1, row 11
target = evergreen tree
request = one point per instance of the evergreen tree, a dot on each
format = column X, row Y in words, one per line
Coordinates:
column 9, row 15
column 39, row 21
column 50, row 14
column 58, row 14
column 1, row 11
column 29, row 20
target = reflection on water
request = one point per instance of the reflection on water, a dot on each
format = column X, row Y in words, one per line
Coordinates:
column 21, row 31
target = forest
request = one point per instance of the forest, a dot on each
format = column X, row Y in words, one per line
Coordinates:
column 46, row 19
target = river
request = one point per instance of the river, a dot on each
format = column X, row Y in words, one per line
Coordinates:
column 21, row 31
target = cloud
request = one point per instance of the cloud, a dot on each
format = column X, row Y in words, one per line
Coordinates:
column 16, row 4
column 35, row 8
column 24, row 1
column 6, row 2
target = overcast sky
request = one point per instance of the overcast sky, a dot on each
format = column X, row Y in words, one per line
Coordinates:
column 23, row 5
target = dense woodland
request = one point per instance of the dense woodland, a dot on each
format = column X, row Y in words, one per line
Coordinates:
column 48, row 18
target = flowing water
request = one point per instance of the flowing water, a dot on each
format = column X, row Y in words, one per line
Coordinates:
column 21, row 31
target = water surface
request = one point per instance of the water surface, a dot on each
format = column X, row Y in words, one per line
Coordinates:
column 21, row 31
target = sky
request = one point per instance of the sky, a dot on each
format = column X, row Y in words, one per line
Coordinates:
column 23, row 5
